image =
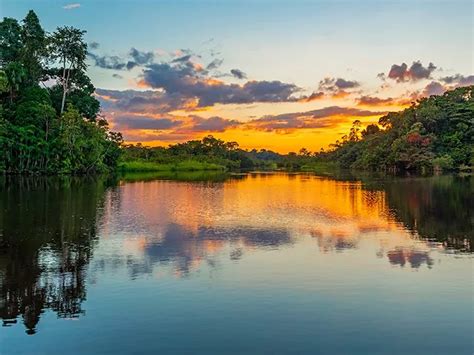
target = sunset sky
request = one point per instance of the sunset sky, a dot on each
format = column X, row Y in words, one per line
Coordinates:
column 280, row 75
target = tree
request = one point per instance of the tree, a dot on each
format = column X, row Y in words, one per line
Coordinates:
column 304, row 152
column 81, row 97
column 10, row 41
column 370, row 129
column 354, row 132
column 34, row 136
column 34, row 46
column 434, row 133
column 69, row 49
column 16, row 76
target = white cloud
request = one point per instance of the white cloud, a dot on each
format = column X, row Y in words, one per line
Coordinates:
column 71, row 6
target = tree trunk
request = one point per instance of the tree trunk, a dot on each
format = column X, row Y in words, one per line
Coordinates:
column 64, row 98
column 64, row 86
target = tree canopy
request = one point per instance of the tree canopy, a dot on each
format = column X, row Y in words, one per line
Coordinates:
column 49, row 118
column 434, row 133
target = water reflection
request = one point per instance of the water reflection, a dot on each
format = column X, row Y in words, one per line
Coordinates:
column 185, row 249
column 415, row 258
column 177, row 176
column 47, row 235
column 58, row 235
column 181, row 225
column 335, row 241
column 438, row 208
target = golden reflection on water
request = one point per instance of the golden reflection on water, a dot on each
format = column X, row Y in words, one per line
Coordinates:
column 191, row 222
column 67, row 240
column 246, row 246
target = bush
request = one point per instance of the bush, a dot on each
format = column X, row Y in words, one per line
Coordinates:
column 444, row 162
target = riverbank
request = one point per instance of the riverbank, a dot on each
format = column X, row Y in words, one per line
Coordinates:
column 185, row 165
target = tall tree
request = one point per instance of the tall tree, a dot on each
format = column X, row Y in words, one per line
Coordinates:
column 34, row 46
column 69, row 49
column 10, row 41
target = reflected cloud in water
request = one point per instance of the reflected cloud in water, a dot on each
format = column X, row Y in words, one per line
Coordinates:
column 184, row 250
column 59, row 236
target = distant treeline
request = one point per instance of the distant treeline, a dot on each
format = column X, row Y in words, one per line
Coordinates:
column 435, row 133
column 207, row 154
column 49, row 118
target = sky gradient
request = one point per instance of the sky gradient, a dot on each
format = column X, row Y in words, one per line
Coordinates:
column 268, row 74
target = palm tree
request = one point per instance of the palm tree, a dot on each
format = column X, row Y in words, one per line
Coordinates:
column 16, row 75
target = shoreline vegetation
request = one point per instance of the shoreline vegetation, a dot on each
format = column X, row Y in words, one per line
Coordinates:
column 186, row 165
column 58, row 128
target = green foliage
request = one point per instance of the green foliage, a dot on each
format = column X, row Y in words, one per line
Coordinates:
column 68, row 48
column 16, row 76
column 434, row 133
column 186, row 165
column 81, row 98
column 33, row 51
column 321, row 167
column 10, row 40
column 211, row 153
column 3, row 82
column 370, row 129
column 35, row 135
column 444, row 162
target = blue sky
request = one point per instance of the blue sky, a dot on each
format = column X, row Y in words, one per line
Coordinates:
column 298, row 42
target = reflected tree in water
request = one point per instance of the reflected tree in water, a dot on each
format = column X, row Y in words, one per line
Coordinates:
column 416, row 258
column 436, row 209
column 47, row 231
column 334, row 241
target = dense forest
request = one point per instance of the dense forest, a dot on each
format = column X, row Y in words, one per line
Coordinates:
column 49, row 118
column 435, row 133
column 50, row 123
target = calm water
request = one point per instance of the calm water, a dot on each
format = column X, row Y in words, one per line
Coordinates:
column 259, row 263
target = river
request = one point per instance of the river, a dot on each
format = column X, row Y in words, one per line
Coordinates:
column 251, row 263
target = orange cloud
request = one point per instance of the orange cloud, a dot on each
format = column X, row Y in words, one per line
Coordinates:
column 340, row 94
column 313, row 97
